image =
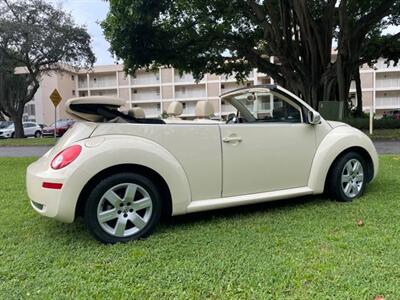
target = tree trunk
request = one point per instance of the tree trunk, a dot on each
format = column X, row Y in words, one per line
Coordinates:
column 357, row 79
column 18, row 126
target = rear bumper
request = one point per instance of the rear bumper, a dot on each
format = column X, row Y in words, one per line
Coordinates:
column 46, row 202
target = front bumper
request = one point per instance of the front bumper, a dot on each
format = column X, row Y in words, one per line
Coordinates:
column 5, row 135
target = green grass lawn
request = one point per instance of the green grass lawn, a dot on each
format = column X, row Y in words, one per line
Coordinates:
column 308, row 248
column 27, row 142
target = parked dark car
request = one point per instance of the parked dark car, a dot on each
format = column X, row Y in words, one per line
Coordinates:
column 61, row 127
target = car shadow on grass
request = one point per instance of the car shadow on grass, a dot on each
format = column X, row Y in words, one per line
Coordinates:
column 68, row 233
column 245, row 210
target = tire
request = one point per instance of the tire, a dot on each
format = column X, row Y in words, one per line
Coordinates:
column 38, row 134
column 347, row 177
column 118, row 208
column 12, row 135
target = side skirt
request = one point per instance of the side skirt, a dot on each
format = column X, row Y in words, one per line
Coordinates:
column 209, row 204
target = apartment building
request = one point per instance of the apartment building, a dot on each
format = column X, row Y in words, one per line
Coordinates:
column 380, row 87
column 155, row 90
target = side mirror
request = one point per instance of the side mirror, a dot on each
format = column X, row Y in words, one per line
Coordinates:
column 314, row 118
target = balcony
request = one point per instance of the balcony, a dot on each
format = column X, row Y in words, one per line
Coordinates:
column 146, row 78
column 389, row 82
column 387, row 102
column 146, row 94
column 190, row 92
column 103, row 81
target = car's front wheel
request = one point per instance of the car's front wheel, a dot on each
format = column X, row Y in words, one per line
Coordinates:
column 347, row 177
column 38, row 134
column 123, row 207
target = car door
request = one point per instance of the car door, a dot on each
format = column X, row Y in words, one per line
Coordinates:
column 274, row 152
column 29, row 129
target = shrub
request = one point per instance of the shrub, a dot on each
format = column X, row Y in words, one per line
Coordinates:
column 363, row 123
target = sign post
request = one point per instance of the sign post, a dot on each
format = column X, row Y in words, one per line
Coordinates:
column 371, row 121
column 56, row 98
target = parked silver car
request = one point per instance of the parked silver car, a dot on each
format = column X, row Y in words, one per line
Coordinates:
column 30, row 129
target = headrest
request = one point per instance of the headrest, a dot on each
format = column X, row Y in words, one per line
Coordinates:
column 204, row 109
column 175, row 109
column 137, row 113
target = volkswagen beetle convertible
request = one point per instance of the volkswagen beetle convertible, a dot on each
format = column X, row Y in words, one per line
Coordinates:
column 122, row 171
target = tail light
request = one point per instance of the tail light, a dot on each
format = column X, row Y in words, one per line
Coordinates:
column 65, row 157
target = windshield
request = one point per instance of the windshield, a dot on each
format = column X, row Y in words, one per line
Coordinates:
column 5, row 124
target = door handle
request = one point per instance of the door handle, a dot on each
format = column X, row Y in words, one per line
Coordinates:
column 232, row 139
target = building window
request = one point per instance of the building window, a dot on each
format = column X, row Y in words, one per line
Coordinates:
column 135, row 91
column 183, row 105
column 222, row 86
column 248, row 84
column 72, row 77
column 73, row 93
column 158, row 106
column 158, row 92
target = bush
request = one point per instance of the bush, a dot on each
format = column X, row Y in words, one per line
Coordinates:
column 363, row 123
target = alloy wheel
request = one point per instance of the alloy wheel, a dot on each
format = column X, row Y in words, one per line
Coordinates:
column 352, row 179
column 124, row 209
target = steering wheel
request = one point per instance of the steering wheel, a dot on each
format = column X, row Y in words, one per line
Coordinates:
column 232, row 119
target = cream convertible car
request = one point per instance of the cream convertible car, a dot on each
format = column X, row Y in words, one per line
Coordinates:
column 121, row 171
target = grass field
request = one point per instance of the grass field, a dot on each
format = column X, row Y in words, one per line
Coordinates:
column 308, row 248
column 27, row 142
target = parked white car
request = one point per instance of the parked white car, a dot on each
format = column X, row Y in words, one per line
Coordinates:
column 121, row 172
column 31, row 129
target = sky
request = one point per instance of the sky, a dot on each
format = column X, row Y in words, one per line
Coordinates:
column 90, row 13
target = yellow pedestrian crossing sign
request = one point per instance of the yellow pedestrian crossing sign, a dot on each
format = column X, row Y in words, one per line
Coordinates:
column 55, row 97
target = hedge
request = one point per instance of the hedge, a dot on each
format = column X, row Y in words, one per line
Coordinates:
column 384, row 123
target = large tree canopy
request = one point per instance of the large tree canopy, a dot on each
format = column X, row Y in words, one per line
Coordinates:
column 37, row 36
column 221, row 36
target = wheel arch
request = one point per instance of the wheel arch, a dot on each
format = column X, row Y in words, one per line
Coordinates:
column 338, row 142
column 131, row 167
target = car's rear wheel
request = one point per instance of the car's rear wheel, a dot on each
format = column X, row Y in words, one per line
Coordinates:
column 123, row 207
column 38, row 134
column 347, row 177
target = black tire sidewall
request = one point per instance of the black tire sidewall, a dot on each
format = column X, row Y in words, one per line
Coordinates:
column 336, row 177
column 90, row 214
column 37, row 134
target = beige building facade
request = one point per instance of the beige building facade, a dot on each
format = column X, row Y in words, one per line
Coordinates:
column 155, row 90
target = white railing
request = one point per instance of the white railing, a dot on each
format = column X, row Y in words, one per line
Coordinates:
column 186, row 77
column 146, row 79
column 389, row 82
column 387, row 102
column 190, row 93
column 82, row 84
column 103, row 81
column 145, row 96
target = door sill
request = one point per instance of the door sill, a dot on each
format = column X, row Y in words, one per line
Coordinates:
column 209, row 204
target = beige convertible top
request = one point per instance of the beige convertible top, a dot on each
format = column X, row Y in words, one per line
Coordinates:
column 85, row 107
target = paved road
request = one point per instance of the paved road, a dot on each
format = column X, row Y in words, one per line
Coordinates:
column 383, row 147
column 387, row 147
column 23, row 151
